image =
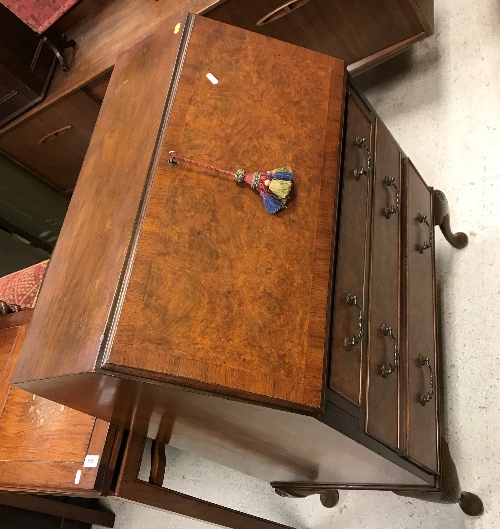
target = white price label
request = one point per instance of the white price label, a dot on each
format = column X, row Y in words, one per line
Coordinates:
column 91, row 461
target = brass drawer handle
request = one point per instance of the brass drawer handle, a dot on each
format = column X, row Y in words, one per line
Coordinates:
column 427, row 244
column 392, row 208
column 386, row 370
column 425, row 398
column 358, row 173
column 281, row 11
column 55, row 134
column 350, row 342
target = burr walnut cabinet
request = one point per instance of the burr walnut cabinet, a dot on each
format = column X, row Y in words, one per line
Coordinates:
column 300, row 347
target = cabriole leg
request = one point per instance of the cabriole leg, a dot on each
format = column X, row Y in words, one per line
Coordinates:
column 458, row 240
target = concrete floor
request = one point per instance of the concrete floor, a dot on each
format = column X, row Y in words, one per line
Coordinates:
column 441, row 101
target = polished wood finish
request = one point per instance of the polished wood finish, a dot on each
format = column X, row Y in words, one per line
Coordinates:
column 102, row 30
column 158, row 462
column 15, row 319
column 383, row 397
column 83, row 510
column 359, row 32
column 129, row 486
column 43, row 444
column 291, row 249
column 53, row 143
column 219, row 325
column 352, row 254
column 128, row 128
column 329, row 497
column 442, row 219
column 156, row 354
column 448, row 487
column 421, row 433
column 112, row 28
column 379, row 57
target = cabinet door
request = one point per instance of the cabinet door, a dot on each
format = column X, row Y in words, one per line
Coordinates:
column 53, row 143
column 44, row 445
column 421, row 407
column 382, row 412
column 349, row 315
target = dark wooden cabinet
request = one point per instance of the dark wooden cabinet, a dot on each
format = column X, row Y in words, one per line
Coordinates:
column 361, row 33
column 52, row 144
column 26, row 66
column 286, row 346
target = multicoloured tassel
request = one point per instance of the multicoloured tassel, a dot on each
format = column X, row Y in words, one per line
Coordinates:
column 274, row 187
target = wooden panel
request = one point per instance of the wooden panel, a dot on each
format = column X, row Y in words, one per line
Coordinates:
column 43, row 444
column 101, row 215
column 110, row 29
column 348, row 29
column 267, row 443
column 222, row 293
column 421, row 421
column 382, row 421
column 60, row 433
column 96, row 89
column 424, row 9
column 57, row 158
column 345, row 369
column 7, row 340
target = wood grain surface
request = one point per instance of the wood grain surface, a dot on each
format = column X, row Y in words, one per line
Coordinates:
column 111, row 28
column 90, row 254
column 57, row 161
column 42, row 443
column 221, row 292
column 421, row 423
column 383, row 396
column 349, row 29
column 352, row 256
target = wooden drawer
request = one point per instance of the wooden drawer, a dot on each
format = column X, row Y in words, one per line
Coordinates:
column 349, row 315
column 382, row 413
column 421, row 422
column 53, row 143
column 352, row 30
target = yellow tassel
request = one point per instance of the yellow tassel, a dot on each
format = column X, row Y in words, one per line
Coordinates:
column 280, row 188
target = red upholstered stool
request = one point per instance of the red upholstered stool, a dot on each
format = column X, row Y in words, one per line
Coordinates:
column 39, row 15
column 21, row 288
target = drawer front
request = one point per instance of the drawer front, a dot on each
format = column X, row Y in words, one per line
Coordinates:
column 382, row 412
column 421, row 378
column 349, row 315
column 53, row 143
column 335, row 28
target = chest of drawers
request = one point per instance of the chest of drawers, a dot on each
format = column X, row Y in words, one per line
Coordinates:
column 298, row 347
